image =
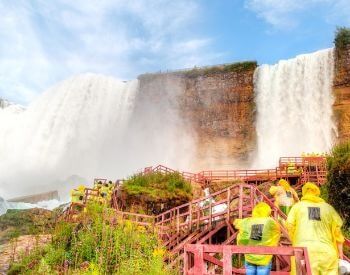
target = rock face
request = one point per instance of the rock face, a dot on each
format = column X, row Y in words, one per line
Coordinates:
column 342, row 92
column 216, row 104
column 52, row 195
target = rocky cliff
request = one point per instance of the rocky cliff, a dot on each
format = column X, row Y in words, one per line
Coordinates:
column 342, row 91
column 216, row 104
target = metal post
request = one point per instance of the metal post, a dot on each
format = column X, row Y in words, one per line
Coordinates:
column 190, row 218
column 227, row 260
column 240, row 205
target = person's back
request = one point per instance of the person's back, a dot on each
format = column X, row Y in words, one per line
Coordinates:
column 259, row 230
column 285, row 196
column 314, row 224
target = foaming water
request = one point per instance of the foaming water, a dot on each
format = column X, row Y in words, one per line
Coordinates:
column 294, row 107
column 85, row 127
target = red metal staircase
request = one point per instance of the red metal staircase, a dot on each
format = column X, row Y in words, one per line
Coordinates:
column 190, row 230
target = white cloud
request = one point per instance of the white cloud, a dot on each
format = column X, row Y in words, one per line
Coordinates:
column 46, row 41
column 285, row 14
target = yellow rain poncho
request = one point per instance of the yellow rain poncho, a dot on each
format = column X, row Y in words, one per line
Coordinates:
column 77, row 195
column 98, row 185
column 285, row 196
column 259, row 230
column 105, row 193
column 314, row 224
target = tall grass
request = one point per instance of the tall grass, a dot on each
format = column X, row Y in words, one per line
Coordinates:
column 158, row 186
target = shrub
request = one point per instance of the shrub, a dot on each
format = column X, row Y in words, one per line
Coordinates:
column 96, row 246
column 339, row 180
column 155, row 192
column 342, row 37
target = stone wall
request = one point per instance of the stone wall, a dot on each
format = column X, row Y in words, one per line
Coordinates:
column 217, row 105
column 342, row 92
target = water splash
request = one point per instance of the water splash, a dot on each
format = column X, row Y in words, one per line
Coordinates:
column 294, row 107
column 88, row 126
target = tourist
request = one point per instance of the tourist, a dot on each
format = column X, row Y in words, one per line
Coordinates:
column 285, row 196
column 77, row 195
column 314, row 224
column 258, row 230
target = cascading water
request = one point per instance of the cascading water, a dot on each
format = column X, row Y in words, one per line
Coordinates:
column 85, row 127
column 64, row 133
column 294, row 107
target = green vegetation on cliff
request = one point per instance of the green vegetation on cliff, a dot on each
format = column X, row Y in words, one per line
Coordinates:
column 342, row 38
column 99, row 244
column 155, row 192
column 233, row 67
column 158, row 186
column 236, row 67
column 339, row 180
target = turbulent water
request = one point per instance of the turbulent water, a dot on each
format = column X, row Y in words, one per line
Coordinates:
column 85, row 127
column 294, row 107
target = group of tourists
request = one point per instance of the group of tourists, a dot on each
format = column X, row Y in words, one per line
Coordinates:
column 103, row 191
column 311, row 223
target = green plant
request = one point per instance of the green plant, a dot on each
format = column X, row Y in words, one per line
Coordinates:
column 342, row 38
column 338, row 180
column 233, row 67
column 96, row 246
column 158, row 186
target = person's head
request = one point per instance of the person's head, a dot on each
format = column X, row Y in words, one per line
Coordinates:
column 310, row 188
column 284, row 184
column 261, row 210
column 99, row 183
column 110, row 182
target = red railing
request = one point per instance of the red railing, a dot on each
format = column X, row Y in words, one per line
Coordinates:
column 309, row 168
column 302, row 161
column 233, row 202
column 199, row 257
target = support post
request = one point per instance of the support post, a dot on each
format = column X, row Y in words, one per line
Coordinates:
column 227, row 260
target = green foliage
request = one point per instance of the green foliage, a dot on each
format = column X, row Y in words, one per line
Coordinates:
column 233, row 67
column 342, row 38
column 237, row 67
column 158, row 186
column 97, row 245
column 23, row 222
column 324, row 192
column 338, row 164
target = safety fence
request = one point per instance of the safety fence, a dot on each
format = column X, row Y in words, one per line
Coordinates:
column 236, row 201
column 303, row 169
column 200, row 259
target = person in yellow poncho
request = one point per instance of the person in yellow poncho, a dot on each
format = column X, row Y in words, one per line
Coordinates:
column 77, row 195
column 259, row 230
column 105, row 193
column 314, row 224
column 285, row 196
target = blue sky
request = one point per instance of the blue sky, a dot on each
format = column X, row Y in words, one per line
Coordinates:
column 43, row 42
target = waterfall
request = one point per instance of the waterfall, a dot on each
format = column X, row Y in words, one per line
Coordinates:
column 294, row 107
column 85, row 127
column 72, row 129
